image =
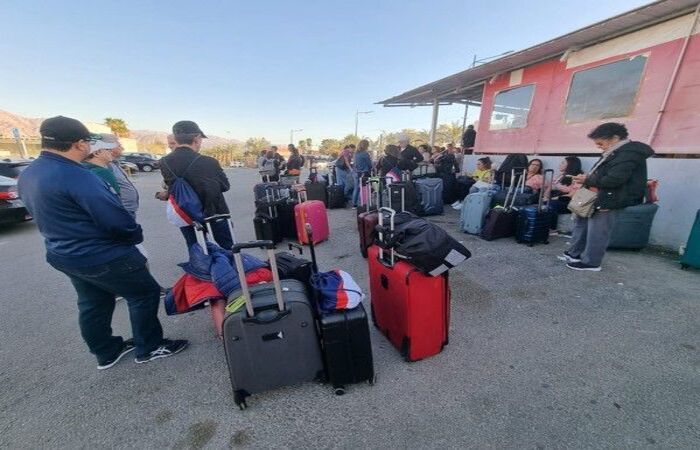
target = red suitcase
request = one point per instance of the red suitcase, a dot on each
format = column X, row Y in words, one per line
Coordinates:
column 313, row 212
column 410, row 308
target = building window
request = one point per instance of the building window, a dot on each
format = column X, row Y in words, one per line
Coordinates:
column 511, row 107
column 605, row 91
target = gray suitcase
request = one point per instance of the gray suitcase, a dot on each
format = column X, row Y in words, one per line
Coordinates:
column 474, row 209
column 430, row 195
column 272, row 342
column 633, row 226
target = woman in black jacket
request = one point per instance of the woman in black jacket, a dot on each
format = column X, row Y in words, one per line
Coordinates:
column 619, row 178
column 389, row 161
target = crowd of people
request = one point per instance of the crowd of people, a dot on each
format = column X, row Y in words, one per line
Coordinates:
column 86, row 208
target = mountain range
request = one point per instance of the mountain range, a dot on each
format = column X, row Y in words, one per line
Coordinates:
column 30, row 128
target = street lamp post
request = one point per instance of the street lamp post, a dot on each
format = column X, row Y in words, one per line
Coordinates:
column 476, row 61
column 357, row 115
column 291, row 135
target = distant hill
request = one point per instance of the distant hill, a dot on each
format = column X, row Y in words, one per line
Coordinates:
column 27, row 126
column 30, row 128
column 145, row 137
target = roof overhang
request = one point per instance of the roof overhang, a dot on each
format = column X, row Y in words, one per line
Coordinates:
column 467, row 86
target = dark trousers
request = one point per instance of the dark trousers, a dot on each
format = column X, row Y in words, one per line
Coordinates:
column 97, row 287
column 220, row 229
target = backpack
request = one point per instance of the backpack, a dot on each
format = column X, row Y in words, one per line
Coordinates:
column 184, row 206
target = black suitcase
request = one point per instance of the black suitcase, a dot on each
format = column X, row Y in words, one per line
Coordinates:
column 316, row 190
column 345, row 341
column 267, row 228
column 291, row 267
column 272, row 341
column 500, row 221
column 532, row 223
column 336, row 196
column 285, row 217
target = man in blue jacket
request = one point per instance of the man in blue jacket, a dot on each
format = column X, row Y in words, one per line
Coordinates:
column 91, row 238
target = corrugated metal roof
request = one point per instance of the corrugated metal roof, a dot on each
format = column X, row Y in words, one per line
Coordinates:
column 467, row 86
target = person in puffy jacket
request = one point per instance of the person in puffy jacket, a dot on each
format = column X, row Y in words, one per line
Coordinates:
column 619, row 178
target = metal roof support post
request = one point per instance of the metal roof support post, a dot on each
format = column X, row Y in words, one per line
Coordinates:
column 433, row 123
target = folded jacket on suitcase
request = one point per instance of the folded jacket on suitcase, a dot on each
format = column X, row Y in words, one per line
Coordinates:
column 427, row 246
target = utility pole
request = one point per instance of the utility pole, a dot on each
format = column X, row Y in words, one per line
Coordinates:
column 291, row 135
column 357, row 116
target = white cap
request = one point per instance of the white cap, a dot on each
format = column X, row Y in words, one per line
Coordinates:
column 101, row 144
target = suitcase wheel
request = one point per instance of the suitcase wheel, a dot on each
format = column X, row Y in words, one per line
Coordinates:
column 372, row 380
column 239, row 398
column 684, row 266
column 339, row 390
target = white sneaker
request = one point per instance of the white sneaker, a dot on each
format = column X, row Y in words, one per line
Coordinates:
column 458, row 207
column 454, row 205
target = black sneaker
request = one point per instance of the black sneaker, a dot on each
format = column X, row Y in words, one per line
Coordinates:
column 128, row 346
column 582, row 266
column 167, row 348
column 569, row 258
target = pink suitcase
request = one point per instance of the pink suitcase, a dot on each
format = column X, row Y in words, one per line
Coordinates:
column 313, row 212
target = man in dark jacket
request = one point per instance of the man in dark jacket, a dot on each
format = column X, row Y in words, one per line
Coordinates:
column 619, row 178
column 91, row 238
column 204, row 174
column 409, row 156
column 468, row 140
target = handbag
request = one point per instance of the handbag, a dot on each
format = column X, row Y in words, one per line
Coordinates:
column 583, row 202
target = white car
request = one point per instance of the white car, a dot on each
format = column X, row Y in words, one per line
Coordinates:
column 236, row 164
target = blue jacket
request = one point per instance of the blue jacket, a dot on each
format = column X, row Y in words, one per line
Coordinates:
column 363, row 162
column 82, row 221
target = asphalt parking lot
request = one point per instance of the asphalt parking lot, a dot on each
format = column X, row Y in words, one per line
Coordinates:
column 539, row 357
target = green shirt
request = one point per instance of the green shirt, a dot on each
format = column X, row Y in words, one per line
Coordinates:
column 105, row 174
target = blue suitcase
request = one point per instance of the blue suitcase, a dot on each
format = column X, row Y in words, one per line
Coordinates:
column 532, row 223
column 430, row 195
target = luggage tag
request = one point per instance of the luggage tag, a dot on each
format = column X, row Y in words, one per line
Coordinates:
column 236, row 304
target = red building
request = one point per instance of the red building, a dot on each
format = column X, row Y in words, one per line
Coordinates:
column 641, row 68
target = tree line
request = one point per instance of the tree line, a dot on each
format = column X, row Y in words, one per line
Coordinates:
column 226, row 153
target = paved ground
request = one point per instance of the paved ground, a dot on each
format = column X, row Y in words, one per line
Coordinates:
column 539, row 357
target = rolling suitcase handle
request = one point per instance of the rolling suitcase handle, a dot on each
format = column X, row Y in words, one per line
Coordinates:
column 546, row 190
column 392, row 214
column 312, row 247
column 519, row 185
column 200, row 236
column 270, row 246
column 216, row 218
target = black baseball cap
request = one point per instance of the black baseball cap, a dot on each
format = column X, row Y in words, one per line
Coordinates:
column 64, row 130
column 187, row 127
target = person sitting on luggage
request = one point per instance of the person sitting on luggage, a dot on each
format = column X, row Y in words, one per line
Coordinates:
column 268, row 165
column 533, row 178
column 481, row 179
column 390, row 161
column 362, row 166
column 564, row 187
column 295, row 161
column 619, row 178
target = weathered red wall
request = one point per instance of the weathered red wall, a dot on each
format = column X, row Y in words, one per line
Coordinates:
column 546, row 131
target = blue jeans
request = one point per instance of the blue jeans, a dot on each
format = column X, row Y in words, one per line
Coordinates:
column 342, row 178
column 97, row 287
column 220, row 229
column 356, row 189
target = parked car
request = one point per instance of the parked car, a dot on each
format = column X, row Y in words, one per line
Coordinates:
column 236, row 164
column 144, row 154
column 128, row 167
column 12, row 209
column 12, row 168
column 143, row 163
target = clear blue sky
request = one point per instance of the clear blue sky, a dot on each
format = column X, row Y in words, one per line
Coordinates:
column 243, row 69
